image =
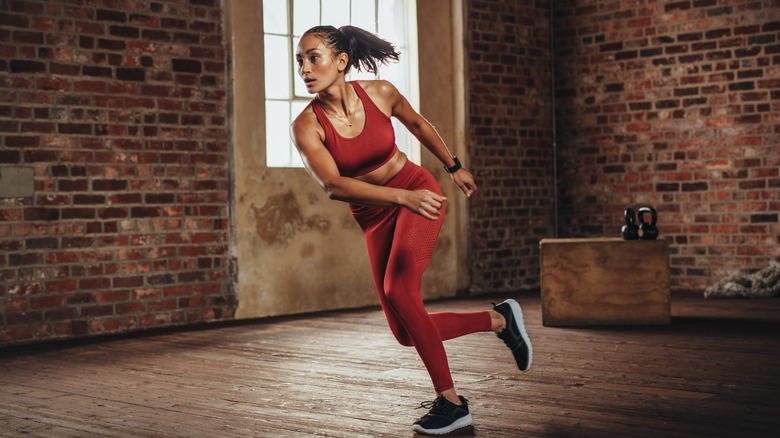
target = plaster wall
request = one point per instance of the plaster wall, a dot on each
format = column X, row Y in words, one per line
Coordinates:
column 297, row 250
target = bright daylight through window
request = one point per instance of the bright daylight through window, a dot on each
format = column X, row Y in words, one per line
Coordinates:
column 285, row 94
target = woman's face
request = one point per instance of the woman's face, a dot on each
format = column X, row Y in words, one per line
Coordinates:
column 317, row 65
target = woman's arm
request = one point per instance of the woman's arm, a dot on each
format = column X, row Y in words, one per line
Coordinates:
column 321, row 166
column 425, row 132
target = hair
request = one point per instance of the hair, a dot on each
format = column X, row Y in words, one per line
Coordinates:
column 363, row 48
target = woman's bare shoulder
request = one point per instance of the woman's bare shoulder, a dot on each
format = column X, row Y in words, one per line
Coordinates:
column 383, row 93
column 306, row 124
column 379, row 87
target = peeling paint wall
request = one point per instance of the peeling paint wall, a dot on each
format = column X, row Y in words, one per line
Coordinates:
column 297, row 250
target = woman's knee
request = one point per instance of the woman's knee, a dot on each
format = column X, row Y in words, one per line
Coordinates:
column 404, row 339
column 400, row 333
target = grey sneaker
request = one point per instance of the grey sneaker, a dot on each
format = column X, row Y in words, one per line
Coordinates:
column 514, row 335
column 444, row 417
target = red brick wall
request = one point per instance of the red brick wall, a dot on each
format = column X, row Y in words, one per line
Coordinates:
column 676, row 105
column 509, row 126
column 119, row 107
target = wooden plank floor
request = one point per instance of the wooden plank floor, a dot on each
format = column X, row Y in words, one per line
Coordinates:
column 714, row 372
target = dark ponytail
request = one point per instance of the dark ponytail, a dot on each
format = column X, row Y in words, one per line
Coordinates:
column 363, row 48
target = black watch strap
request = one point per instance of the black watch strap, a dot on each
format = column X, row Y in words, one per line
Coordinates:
column 455, row 167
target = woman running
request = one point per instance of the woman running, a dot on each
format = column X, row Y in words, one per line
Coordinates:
column 346, row 140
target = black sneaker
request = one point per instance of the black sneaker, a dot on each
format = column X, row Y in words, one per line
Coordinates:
column 514, row 335
column 444, row 417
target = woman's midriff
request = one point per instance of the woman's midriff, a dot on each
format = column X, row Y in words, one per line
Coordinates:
column 411, row 177
column 382, row 175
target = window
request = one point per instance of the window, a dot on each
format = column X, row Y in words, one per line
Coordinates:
column 285, row 95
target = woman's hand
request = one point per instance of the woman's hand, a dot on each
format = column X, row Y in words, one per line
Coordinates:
column 425, row 203
column 465, row 181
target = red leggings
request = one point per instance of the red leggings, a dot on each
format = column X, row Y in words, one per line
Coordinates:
column 400, row 244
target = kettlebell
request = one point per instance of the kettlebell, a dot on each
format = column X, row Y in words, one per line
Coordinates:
column 647, row 230
column 630, row 230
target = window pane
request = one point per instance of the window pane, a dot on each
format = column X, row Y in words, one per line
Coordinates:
column 392, row 21
column 306, row 14
column 336, row 12
column 363, row 15
column 275, row 16
column 277, row 133
column 395, row 73
column 277, row 67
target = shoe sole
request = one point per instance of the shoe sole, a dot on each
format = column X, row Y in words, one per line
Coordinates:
column 517, row 313
column 455, row 427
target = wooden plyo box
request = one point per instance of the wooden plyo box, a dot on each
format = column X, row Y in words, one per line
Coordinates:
column 604, row 281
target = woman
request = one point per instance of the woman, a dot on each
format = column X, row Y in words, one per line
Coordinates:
column 347, row 143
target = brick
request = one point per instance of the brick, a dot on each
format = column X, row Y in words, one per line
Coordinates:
column 44, row 302
column 78, row 213
column 14, row 20
column 112, row 213
column 680, row 5
column 743, row 53
column 109, row 185
column 761, row 39
column 772, row 49
column 114, row 295
column 697, row 186
column 76, row 242
column 772, row 26
column 89, row 199
column 26, row 37
column 177, row 290
column 761, row 218
column 41, row 214
column 131, row 74
column 186, row 38
column 187, row 65
column 74, row 128
column 144, row 212
column 111, row 15
column 144, row 20
column 41, row 243
column 73, row 185
column 717, row 12
column 97, row 311
column 94, row 283
column 23, row 318
column 718, row 33
column 62, row 257
column 107, row 44
column 24, row 66
column 97, row 71
column 124, row 31
column 64, row 69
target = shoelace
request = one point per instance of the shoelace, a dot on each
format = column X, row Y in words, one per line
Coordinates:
column 431, row 404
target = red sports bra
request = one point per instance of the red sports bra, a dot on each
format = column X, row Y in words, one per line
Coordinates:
column 369, row 150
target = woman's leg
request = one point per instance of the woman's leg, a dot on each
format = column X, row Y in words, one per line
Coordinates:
column 414, row 238
column 400, row 245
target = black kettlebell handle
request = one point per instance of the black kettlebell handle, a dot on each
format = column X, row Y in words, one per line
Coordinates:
column 653, row 215
column 630, row 217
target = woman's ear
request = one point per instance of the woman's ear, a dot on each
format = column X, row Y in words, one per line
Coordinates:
column 342, row 61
